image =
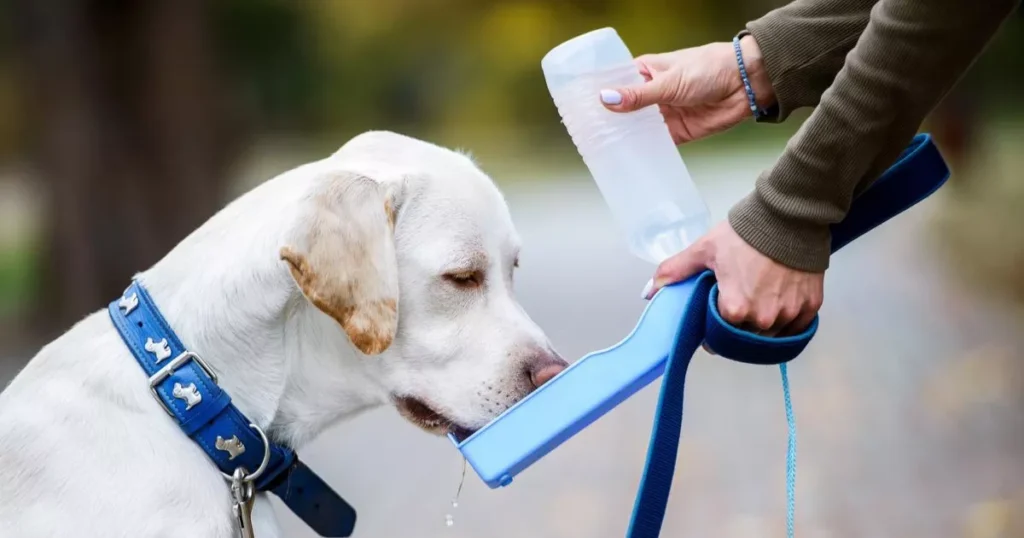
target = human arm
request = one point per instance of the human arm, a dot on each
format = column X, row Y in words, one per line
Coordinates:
column 910, row 54
column 803, row 45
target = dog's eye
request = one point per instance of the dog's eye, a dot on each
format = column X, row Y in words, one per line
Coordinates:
column 465, row 279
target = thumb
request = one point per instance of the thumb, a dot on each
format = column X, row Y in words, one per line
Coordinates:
column 630, row 98
column 680, row 267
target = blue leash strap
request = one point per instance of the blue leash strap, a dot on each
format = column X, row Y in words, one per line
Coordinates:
column 918, row 172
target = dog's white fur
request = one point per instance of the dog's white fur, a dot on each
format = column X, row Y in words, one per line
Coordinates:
column 281, row 292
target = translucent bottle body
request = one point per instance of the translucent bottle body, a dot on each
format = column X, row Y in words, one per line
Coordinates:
column 631, row 155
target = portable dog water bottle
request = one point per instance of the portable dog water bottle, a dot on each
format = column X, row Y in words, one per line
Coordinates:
column 630, row 155
column 680, row 317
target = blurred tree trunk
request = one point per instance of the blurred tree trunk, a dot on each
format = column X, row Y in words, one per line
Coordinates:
column 131, row 137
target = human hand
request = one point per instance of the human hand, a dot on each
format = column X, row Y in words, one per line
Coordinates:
column 699, row 89
column 755, row 292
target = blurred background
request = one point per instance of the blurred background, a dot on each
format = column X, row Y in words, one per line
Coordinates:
column 124, row 125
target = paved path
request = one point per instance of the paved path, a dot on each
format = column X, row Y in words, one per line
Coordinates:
column 908, row 404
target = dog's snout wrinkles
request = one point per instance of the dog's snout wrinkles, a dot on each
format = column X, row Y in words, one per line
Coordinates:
column 544, row 366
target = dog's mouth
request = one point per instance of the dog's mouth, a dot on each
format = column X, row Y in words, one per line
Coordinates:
column 422, row 415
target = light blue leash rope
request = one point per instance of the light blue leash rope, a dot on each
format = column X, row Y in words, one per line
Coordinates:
column 790, row 454
column 791, row 422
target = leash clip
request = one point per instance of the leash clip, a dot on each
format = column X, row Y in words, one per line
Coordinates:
column 242, row 490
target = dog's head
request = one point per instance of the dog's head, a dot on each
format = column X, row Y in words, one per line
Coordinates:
column 412, row 251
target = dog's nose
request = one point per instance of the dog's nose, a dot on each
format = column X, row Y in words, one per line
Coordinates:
column 544, row 366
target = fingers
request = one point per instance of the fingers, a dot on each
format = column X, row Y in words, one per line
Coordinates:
column 631, row 98
column 648, row 288
column 643, row 67
column 746, row 316
column 785, row 317
column 802, row 321
column 678, row 268
column 769, row 317
column 734, row 309
column 787, row 322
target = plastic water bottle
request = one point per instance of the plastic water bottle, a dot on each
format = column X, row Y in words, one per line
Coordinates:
column 630, row 155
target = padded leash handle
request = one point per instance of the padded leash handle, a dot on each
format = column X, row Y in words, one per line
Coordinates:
column 919, row 172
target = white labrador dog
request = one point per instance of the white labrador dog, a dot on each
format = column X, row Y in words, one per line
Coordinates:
column 381, row 274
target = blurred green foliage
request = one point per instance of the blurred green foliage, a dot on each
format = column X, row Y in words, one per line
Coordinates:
column 455, row 71
column 18, row 267
column 458, row 72
column 467, row 70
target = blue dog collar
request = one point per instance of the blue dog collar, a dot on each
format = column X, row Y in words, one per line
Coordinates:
column 186, row 388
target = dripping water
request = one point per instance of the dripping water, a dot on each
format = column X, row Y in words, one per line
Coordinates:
column 449, row 519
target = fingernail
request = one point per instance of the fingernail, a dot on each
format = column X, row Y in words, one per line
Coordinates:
column 647, row 290
column 611, row 97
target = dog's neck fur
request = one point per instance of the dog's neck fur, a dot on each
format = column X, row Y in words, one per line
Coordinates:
column 231, row 299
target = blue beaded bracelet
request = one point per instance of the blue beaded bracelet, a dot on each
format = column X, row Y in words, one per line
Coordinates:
column 751, row 99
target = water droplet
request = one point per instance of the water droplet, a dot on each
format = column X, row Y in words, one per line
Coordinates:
column 448, row 519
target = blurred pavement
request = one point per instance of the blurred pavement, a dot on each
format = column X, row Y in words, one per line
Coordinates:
column 907, row 403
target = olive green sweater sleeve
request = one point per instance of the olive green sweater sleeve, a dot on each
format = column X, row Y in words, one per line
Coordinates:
column 909, row 55
column 804, row 45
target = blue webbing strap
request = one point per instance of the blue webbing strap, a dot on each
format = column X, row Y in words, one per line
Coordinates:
column 918, row 172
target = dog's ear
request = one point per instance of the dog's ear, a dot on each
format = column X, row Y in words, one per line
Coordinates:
column 345, row 263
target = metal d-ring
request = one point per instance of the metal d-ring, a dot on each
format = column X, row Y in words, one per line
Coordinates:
column 263, row 465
